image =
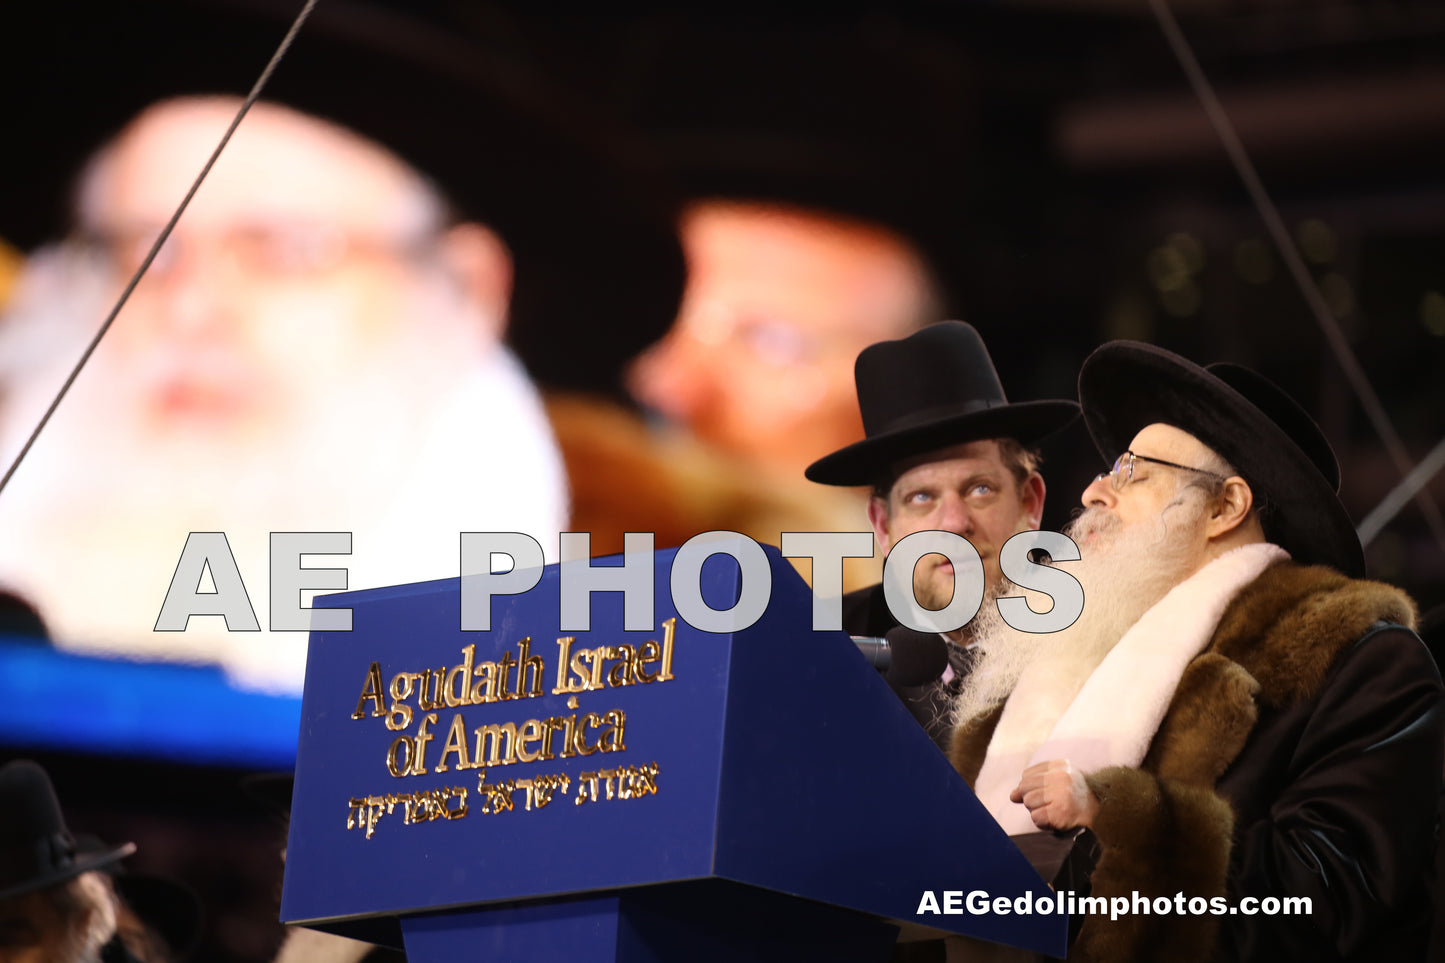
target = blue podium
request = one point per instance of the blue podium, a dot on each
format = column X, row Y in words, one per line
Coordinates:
column 530, row 794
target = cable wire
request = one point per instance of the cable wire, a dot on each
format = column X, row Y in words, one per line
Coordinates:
column 1334, row 336
column 165, row 233
column 1400, row 496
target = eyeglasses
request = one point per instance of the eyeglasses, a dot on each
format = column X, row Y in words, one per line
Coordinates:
column 280, row 250
column 1123, row 471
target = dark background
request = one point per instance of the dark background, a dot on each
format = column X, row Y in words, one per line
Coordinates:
column 1050, row 159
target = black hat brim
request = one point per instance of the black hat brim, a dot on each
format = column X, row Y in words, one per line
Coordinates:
column 83, row 862
column 869, row 462
column 1126, row 386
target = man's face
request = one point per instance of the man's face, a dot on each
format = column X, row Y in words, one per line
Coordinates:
column 301, row 357
column 1155, row 493
column 968, row 490
column 289, row 268
column 778, row 304
column 1125, row 567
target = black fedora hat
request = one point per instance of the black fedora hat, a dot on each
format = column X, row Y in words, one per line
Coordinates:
column 935, row 388
column 36, row 848
column 598, row 267
column 1271, row 441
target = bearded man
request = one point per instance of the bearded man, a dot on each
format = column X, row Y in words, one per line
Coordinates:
column 946, row 451
column 317, row 348
column 57, row 904
column 346, row 330
column 1235, row 714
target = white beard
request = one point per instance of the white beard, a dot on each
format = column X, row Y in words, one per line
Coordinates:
column 442, row 435
column 1123, row 573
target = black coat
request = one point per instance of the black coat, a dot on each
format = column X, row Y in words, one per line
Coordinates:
column 1301, row 756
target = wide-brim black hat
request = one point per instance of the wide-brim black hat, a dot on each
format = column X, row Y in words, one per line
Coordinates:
column 1125, row 386
column 935, row 388
column 598, row 267
column 36, row 848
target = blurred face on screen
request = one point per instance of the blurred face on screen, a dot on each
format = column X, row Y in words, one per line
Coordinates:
column 314, row 349
column 310, row 308
column 779, row 302
column 298, row 264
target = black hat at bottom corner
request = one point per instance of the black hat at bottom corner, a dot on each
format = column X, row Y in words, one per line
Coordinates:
column 1125, row 386
column 935, row 388
column 36, row 848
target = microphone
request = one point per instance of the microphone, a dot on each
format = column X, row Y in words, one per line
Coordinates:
column 905, row 657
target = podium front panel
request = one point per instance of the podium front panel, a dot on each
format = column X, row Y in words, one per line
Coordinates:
column 588, row 763
column 607, row 787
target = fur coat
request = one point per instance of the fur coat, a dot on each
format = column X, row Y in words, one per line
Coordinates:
column 1301, row 755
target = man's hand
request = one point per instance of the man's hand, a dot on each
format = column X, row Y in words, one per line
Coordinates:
column 1057, row 796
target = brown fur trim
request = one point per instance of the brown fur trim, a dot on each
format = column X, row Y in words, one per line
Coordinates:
column 970, row 743
column 1164, row 831
column 1159, row 838
column 1286, row 627
column 1208, row 722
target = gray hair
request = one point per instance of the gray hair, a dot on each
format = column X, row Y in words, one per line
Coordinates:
column 89, row 910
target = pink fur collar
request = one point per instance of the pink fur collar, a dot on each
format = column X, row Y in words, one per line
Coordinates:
column 1115, row 715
